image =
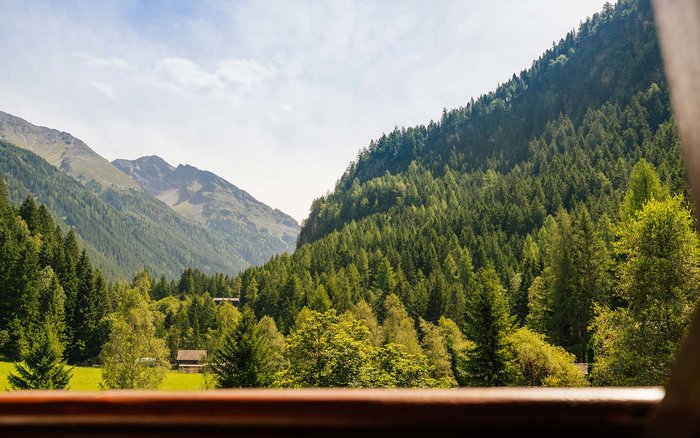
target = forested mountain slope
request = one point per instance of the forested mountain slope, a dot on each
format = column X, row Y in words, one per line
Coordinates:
column 609, row 59
column 217, row 227
column 123, row 230
column 529, row 180
column 210, row 200
column 64, row 151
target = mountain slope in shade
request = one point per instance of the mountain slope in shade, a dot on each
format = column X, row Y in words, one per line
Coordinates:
column 211, row 200
column 66, row 152
column 205, row 222
column 124, row 231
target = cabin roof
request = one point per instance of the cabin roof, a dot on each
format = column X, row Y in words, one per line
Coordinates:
column 197, row 355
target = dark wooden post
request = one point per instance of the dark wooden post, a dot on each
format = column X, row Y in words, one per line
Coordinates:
column 678, row 24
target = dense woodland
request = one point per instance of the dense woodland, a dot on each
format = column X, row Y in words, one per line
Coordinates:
column 542, row 225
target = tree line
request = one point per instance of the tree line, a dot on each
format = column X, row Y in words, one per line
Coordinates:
column 572, row 312
column 542, row 225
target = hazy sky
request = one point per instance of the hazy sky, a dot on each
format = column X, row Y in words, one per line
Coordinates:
column 275, row 96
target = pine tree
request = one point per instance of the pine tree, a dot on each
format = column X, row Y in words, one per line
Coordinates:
column 488, row 325
column 83, row 319
column 580, row 278
column 386, row 277
column 398, row 327
column 243, row 360
column 28, row 212
column 42, row 367
column 643, row 185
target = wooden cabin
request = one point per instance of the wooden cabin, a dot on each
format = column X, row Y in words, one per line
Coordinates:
column 190, row 361
column 221, row 300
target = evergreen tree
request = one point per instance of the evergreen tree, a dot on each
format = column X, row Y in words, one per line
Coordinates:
column 42, row 367
column 488, row 323
column 643, row 185
column 580, row 278
column 660, row 282
column 398, row 327
column 243, row 361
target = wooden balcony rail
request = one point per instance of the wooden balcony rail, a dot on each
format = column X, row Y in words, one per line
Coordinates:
column 331, row 412
column 678, row 28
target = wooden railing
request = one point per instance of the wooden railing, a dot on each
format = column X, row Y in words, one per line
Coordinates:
column 332, row 412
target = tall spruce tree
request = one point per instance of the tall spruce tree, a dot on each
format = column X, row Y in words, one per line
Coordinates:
column 243, row 360
column 42, row 367
column 488, row 324
column 643, row 185
column 580, row 278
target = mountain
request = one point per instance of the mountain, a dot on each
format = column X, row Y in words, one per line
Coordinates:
column 489, row 185
column 64, row 151
column 212, row 201
column 124, row 231
column 185, row 218
column 609, row 59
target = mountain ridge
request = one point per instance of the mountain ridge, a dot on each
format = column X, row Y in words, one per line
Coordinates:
column 61, row 149
column 126, row 228
column 205, row 197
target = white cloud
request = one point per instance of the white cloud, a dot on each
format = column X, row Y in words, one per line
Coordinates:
column 104, row 88
column 243, row 73
column 183, row 73
column 275, row 96
column 230, row 79
column 112, row 62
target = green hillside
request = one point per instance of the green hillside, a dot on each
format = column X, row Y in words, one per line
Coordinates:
column 485, row 177
column 528, row 180
column 123, row 231
column 608, row 60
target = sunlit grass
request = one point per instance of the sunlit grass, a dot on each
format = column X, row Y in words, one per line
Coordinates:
column 88, row 379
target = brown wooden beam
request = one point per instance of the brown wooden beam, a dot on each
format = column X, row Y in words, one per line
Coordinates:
column 316, row 412
column 678, row 27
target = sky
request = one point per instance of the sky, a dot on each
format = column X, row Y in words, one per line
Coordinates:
column 275, row 96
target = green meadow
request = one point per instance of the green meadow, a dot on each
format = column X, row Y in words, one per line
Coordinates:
column 88, row 379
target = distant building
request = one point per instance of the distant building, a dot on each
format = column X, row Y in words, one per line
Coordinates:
column 583, row 367
column 190, row 361
column 221, row 300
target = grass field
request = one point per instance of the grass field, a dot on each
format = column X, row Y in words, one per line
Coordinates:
column 88, row 379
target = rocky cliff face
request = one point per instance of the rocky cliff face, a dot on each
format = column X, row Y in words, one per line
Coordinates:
column 211, row 200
